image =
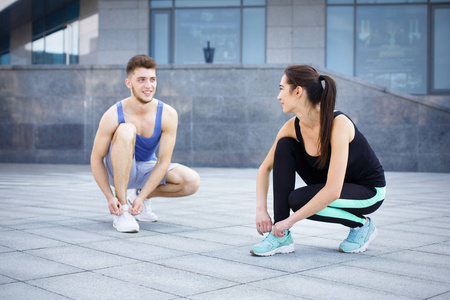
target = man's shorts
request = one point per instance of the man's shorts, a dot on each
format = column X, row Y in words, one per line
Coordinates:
column 140, row 171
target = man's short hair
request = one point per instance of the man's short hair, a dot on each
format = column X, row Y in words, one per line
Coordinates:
column 140, row 61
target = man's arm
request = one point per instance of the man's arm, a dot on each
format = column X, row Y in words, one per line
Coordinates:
column 169, row 125
column 108, row 125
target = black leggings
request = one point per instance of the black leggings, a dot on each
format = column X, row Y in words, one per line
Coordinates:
column 349, row 210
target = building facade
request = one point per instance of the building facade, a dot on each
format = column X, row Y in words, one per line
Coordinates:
column 220, row 62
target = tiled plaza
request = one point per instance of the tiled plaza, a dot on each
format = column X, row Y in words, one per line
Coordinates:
column 57, row 242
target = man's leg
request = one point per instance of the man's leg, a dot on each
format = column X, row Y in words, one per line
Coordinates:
column 181, row 181
column 122, row 158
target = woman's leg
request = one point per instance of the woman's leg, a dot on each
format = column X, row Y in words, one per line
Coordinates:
column 289, row 159
column 349, row 210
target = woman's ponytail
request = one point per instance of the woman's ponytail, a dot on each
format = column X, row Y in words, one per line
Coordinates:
column 327, row 104
column 308, row 78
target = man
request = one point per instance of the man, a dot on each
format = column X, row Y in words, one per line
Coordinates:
column 124, row 148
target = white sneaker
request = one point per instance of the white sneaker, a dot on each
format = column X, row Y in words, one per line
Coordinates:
column 125, row 222
column 147, row 215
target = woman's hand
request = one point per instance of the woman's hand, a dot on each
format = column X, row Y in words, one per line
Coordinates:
column 263, row 222
column 280, row 227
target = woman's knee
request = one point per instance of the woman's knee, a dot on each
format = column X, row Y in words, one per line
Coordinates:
column 299, row 197
column 285, row 144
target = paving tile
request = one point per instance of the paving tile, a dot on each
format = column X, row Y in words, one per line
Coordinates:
column 316, row 288
column 20, row 240
column 181, row 243
column 444, row 296
column 5, row 279
column 245, row 292
column 23, row 266
column 221, row 268
column 441, row 248
column 134, row 249
column 216, row 236
column 393, row 266
column 304, row 258
column 65, row 245
column 165, row 279
column 390, row 283
column 68, row 234
column 21, row 290
column 423, row 258
column 83, row 258
column 89, row 285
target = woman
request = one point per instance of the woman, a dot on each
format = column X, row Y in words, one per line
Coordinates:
column 344, row 178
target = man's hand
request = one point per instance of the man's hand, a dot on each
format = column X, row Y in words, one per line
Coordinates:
column 137, row 206
column 115, row 207
column 263, row 222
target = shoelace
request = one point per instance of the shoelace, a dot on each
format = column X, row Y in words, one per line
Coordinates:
column 354, row 232
column 126, row 215
column 147, row 208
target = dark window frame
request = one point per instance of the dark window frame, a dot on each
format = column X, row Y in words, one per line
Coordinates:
column 431, row 5
column 172, row 25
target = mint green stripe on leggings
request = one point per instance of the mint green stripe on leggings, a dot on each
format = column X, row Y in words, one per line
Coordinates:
column 337, row 209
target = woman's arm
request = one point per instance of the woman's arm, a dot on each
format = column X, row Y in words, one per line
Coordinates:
column 341, row 135
column 263, row 220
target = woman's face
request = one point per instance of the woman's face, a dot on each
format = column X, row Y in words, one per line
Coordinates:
column 288, row 98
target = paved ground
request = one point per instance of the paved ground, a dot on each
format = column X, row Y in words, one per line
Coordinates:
column 57, row 242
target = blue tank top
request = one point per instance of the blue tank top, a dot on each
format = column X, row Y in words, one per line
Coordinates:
column 145, row 148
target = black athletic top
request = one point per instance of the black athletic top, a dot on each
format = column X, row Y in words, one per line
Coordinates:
column 363, row 166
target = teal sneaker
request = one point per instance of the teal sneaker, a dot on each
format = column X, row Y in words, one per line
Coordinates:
column 359, row 238
column 272, row 245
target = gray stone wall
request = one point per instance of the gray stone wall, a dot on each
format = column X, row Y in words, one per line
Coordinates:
column 296, row 32
column 228, row 115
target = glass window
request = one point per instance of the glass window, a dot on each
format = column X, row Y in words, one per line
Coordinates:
column 340, row 33
column 391, row 46
column 390, row 1
column 71, row 43
column 441, row 48
column 38, row 51
column 206, row 3
column 4, row 50
column 161, row 3
column 213, row 30
column 254, row 2
column 161, row 36
column 54, row 48
column 4, row 59
column 340, row 1
column 254, row 33
column 55, row 40
column 208, row 31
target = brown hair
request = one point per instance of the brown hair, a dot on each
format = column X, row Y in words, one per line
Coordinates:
column 140, row 61
column 309, row 79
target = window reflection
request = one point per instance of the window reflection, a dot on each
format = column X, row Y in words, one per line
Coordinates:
column 235, row 30
column 340, row 38
column 195, row 27
column 441, row 45
column 391, row 46
column 56, row 35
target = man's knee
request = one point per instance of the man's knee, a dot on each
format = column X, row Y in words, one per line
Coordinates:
column 191, row 182
column 125, row 132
